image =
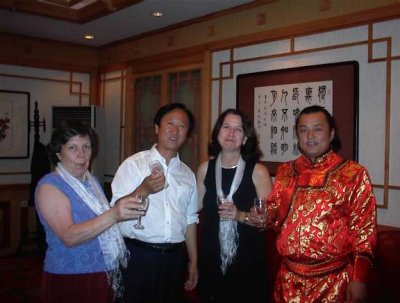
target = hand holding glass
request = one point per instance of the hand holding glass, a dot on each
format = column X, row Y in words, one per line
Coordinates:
column 260, row 206
column 144, row 206
column 221, row 199
column 157, row 168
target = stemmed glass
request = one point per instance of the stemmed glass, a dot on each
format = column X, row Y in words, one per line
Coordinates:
column 260, row 206
column 221, row 199
column 157, row 168
column 144, row 206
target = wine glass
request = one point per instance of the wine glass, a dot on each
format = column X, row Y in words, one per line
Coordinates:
column 157, row 168
column 260, row 206
column 144, row 206
column 221, row 198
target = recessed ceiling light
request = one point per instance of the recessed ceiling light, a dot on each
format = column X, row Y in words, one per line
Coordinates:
column 157, row 14
column 89, row 37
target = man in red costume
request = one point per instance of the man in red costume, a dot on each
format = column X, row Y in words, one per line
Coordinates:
column 324, row 209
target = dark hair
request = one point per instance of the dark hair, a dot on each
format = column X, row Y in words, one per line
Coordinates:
column 336, row 143
column 66, row 131
column 250, row 150
column 162, row 111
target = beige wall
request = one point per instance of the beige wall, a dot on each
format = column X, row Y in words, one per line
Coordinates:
column 48, row 88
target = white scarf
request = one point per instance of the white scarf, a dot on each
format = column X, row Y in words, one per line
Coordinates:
column 111, row 242
column 228, row 235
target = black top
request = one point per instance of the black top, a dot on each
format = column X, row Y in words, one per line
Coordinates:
column 245, row 279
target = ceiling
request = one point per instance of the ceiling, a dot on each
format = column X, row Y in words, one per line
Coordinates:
column 107, row 20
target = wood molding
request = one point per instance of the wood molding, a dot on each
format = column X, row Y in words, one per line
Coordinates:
column 14, row 187
column 21, row 50
column 5, row 215
column 386, row 228
column 310, row 27
column 194, row 55
column 230, row 32
column 65, row 10
column 42, row 53
column 71, row 84
column 11, row 196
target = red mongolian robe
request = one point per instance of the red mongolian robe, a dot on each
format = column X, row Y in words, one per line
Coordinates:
column 326, row 216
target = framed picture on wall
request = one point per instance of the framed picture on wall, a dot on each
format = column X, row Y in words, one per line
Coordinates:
column 14, row 124
column 274, row 99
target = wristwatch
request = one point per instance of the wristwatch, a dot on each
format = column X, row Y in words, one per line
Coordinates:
column 246, row 218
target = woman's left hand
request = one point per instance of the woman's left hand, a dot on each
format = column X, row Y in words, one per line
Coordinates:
column 228, row 210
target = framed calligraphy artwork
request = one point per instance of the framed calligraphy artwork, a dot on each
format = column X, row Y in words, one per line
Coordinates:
column 14, row 124
column 274, row 99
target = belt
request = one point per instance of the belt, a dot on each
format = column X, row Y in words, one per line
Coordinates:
column 162, row 247
column 313, row 269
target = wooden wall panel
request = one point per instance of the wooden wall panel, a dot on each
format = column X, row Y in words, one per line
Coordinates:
column 260, row 21
column 20, row 50
column 11, row 197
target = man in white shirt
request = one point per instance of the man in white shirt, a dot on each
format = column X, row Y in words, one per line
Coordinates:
column 166, row 247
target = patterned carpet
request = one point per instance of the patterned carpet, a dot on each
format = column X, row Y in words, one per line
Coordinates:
column 20, row 278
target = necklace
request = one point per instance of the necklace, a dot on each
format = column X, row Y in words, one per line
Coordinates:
column 230, row 167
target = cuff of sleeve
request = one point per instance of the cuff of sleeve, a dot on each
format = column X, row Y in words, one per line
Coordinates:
column 192, row 220
column 362, row 267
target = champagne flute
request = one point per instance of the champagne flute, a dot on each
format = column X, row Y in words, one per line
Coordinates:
column 260, row 205
column 144, row 206
column 221, row 199
column 157, row 168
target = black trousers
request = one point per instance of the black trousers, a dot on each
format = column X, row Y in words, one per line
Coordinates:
column 155, row 273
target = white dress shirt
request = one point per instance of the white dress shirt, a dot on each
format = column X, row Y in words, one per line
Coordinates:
column 170, row 210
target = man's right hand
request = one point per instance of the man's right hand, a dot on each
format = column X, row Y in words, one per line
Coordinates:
column 152, row 184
